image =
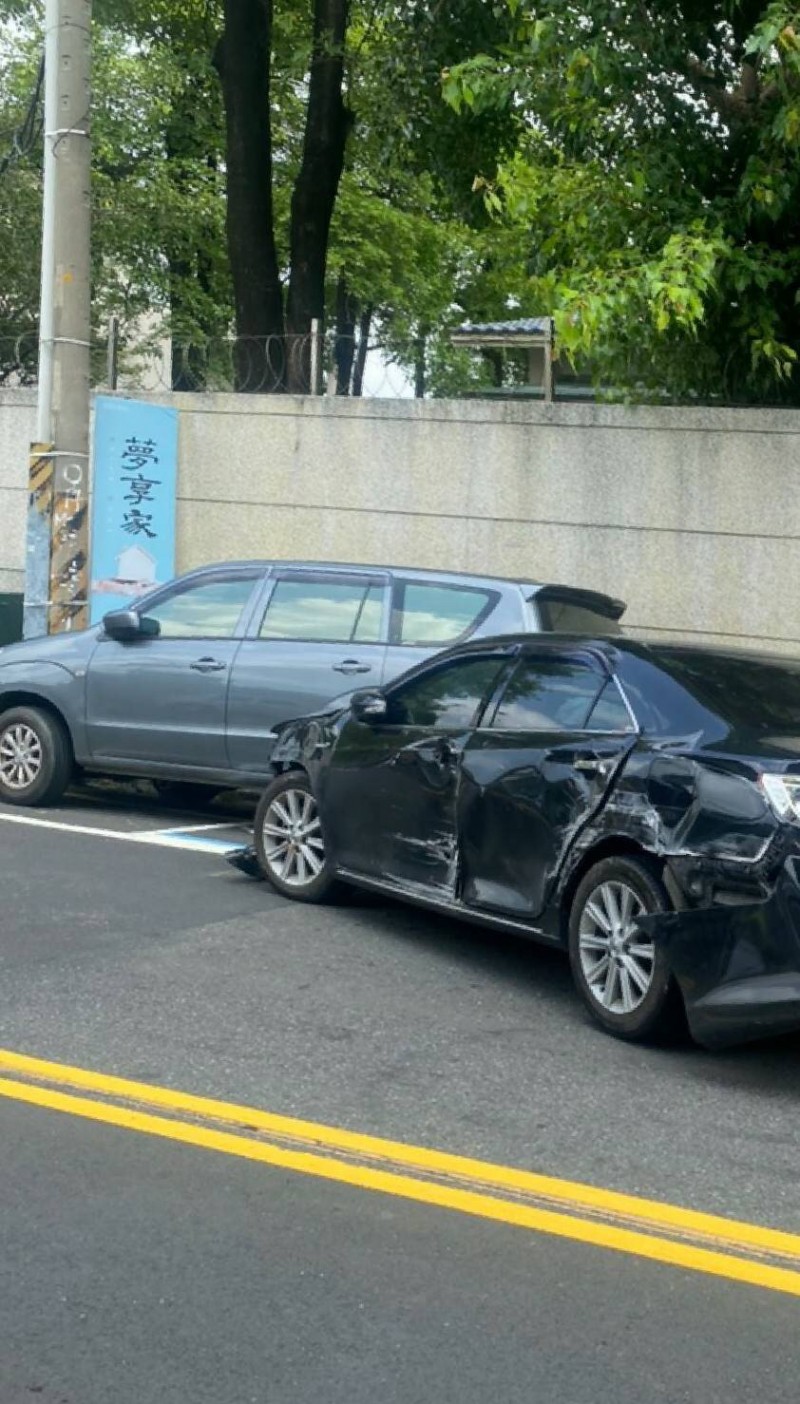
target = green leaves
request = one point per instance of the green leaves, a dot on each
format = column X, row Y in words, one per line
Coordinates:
column 654, row 188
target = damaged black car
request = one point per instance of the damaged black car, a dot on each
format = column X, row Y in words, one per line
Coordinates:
column 636, row 803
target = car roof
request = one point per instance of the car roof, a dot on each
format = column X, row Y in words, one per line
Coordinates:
column 550, row 590
column 612, row 647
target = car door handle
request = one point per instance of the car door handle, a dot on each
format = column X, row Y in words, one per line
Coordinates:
column 591, row 765
column 208, row 665
column 352, row 665
column 431, row 753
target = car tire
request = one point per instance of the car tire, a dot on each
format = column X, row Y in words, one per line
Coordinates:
column 623, row 979
column 36, row 761
column 289, row 840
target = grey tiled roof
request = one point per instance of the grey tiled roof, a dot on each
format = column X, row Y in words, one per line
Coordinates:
column 524, row 326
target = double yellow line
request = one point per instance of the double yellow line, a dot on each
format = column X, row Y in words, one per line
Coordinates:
column 664, row 1233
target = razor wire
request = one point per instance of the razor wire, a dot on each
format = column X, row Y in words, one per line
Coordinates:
column 269, row 365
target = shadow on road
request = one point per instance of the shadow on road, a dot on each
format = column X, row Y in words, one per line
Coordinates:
column 771, row 1066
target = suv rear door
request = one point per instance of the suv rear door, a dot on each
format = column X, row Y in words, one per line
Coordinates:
column 431, row 615
column 320, row 634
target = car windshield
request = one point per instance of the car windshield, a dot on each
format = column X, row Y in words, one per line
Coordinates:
column 747, row 693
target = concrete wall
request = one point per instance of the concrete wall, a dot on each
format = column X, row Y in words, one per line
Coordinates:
column 691, row 515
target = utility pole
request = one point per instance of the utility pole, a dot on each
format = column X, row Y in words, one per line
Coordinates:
column 57, row 559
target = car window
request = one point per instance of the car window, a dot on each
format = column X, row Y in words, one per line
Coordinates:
column 447, row 698
column 210, row 609
column 552, row 694
column 609, row 712
column 325, row 611
column 437, row 614
column 569, row 617
column 677, row 691
column 758, row 694
column 368, row 624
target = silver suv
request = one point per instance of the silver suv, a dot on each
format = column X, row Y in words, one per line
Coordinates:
column 187, row 684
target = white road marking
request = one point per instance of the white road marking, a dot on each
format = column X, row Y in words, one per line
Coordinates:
column 152, row 838
column 187, row 829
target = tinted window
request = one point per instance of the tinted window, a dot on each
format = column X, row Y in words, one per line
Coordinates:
column 438, row 614
column 566, row 617
column 325, row 611
column 210, row 610
column 609, row 712
column 447, row 698
column 687, row 691
column 550, row 694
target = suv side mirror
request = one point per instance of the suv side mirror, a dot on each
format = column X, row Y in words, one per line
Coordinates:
column 126, row 625
column 368, row 705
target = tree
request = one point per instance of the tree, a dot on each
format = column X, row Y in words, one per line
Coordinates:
column 259, row 163
column 377, row 181
column 651, row 197
column 20, row 209
column 243, row 59
column 406, row 239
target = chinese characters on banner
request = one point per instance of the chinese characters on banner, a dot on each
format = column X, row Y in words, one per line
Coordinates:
column 133, row 517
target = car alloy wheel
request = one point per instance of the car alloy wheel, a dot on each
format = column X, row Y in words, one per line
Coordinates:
column 294, row 850
column 617, row 960
column 21, row 756
column 289, row 840
column 622, row 973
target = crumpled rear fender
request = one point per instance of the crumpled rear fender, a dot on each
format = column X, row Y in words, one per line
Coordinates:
column 738, row 967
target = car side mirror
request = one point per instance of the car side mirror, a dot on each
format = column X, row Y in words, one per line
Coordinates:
column 127, row 625
column 368, row 706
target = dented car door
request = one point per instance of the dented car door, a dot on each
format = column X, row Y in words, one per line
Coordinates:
column 534, row 775
column 392, row 785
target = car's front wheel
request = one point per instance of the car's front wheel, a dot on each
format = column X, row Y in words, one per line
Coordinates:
column 290, row 841
column 622, row 974
column 36, row 763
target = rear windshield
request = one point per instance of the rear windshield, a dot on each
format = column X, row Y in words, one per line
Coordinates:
column 701, row 689
column 568, row 617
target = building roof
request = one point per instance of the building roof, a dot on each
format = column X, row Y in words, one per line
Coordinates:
column 523, row 327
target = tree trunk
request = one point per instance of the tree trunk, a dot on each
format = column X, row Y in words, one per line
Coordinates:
column 314, row 196
column 187, row 362
column 345, row 348
column 365, row 326
column 243, row 62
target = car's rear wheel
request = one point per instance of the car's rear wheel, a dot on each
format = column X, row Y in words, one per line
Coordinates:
column 620, row 973
column 36, row 762
column 290, row 841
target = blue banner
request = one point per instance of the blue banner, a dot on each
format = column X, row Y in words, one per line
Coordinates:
column 133, row 514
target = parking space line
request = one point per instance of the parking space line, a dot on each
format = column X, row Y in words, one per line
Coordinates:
column 155, row 838
column 188, row 829
column 661, row 1232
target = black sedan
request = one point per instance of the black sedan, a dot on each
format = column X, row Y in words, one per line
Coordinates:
column 636, row 803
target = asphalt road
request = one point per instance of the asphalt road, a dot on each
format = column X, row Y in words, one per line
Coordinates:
column 133, row 1268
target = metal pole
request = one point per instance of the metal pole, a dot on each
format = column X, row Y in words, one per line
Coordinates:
column 47, row 302
column 62, row 517
column 112, row 357
column 548, row 364
column 316, row 356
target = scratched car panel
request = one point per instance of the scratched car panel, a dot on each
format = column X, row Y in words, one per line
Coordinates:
column 501, row 780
